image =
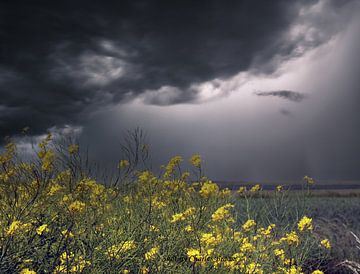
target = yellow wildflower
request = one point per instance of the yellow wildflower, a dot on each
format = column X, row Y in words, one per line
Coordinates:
column 54, row 188
column 73, row 148
column 291, row 238
column 208, row 239
column 279, row 188
column 247, row 247
column 326, row 243
column 151, row 254
column 305, row 224
column 241, row 189
column 14, row 227
column 42, row 229
column 188, row 228
column 209, row 189
column 222, row 213
column 182, row 216
column 196, row 160
column 123, row 163
column 193, row 254
column 67, row 233
column 317, row 271
column 280, row 253
column 248, row 225
column 170, row 168
column 255, row 188
column 27, row 271
column 77, row 206
column 309, row 180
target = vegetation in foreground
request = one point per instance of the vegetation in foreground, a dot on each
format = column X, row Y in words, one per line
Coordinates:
column 56, row 219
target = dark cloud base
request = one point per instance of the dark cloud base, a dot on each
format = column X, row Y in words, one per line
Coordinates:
column 61, row 61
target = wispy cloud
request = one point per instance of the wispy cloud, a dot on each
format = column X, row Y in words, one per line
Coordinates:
column 285, row 94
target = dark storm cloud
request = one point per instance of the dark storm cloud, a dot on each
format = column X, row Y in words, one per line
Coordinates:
column 62, row 60
column 285, row 94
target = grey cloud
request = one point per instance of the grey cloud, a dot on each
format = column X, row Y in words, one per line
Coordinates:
column 62, row 61
column 285, row 94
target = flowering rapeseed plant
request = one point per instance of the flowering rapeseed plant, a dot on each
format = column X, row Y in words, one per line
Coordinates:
column 67, row 222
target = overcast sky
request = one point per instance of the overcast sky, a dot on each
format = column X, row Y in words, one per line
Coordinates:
column 263, row 90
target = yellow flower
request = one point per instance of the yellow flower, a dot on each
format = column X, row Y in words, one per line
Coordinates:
column 183, row 215
column 145, row 270
column 317, row 271
column 241, row 189
column 188, row 228
column 41, row 229
column 247, row 247
column 115, row 250
column 209, row 189
column 123, row 163
column 125, row 271
column 170, row 168
column 208, row 239
column 309, row 180
column 279, row 188
column 305, row 224
column 128, row 245
column 54, row 188
column 193, row 254
column 66, row 233
column 225, row 192
column 27, row 271
column 254, row 268
column 13, row 228
column 255, row 188
column 248, row 225
column 222, row 213
column 151, row 254
column 196, row 160
column 326, row 243
column 77, row 206
column 291, row 238
column 73, row 148
column 280, row 253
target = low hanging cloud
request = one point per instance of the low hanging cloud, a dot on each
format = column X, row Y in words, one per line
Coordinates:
column 62, row 61
column 284, row 94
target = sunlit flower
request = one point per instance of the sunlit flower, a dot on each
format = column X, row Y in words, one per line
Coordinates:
column 193, row 254
column 208, row 189
column 222, row 213
column 309, row 180
column 291, row 238
column 123, row 163
column 151, row 254
column 326, row 243
column 42, row 229
column 13, row 228
column 305, row 224
column 77, row 206
column 317, row 272
column 255, row 188
column 196, row 160
column 73, row 148
column 248, row 225
column 241, row 189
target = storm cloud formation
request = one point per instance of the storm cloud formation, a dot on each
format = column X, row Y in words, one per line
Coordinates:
column 62, row 61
